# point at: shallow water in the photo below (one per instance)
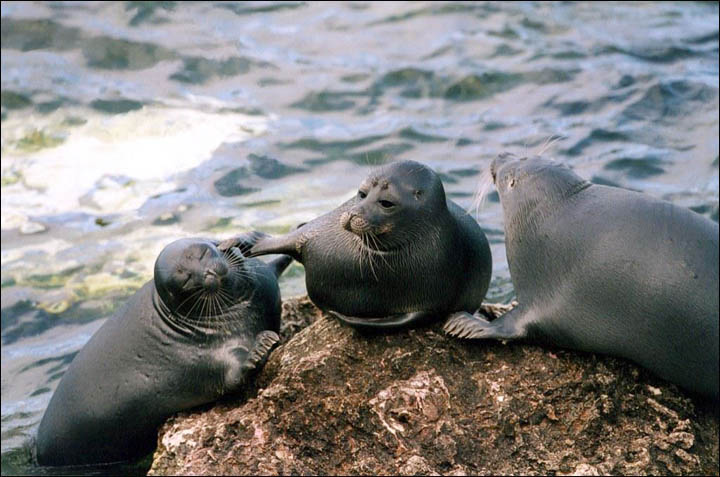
(127, 125)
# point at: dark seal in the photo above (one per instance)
(397, 254)
(606, 270)
(195, 332)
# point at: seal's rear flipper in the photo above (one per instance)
(465, 325)
(402, 320)
(287, 245)
(279, 265)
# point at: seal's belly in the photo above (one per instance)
(374, 287)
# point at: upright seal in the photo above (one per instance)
(397, 254)
(190, 335)
(606, 270)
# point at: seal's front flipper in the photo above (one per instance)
(243, 241)
(279, 265)
(402, 320)
(240, 362)
(289, 244)
(507, 327)
(265, 341)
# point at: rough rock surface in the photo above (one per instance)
(334, 401)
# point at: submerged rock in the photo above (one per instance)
(334, 401)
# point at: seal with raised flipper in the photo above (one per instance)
(606, 270)
(195, 332)
(397, 254)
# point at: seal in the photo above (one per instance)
(397, 254)
(606, 270)
(207, 320)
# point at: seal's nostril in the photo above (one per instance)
(345, 220)
(359, 225)
(212, 283)
(221, 269)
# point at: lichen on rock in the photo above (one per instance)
(331, 400)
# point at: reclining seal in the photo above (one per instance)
(193, 333)
(606, 270)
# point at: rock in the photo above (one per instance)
(334, 401)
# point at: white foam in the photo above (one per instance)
(148, 147)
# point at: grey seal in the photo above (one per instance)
(606, 270)
(396, 254)
(193, 333)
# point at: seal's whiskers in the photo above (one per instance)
(371, 261)
(192, 295)
(484, 186)
(376, 243)
(549, 142)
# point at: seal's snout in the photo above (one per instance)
(354, 223)
(211, 282)
(218, 271)
(214, 275)
(359, 224)
(345, 221)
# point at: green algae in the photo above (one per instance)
(37, 140)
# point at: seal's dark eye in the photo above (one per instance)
(362, 194)
(386, 204)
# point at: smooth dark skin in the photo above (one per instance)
(606, 270)
(397, 254)
(158, 355)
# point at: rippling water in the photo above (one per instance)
(127, 125)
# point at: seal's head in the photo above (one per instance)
(396, 197)
(526, 183)
(194, 278)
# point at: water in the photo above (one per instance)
(127, 125)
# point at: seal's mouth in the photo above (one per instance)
(215, 273)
